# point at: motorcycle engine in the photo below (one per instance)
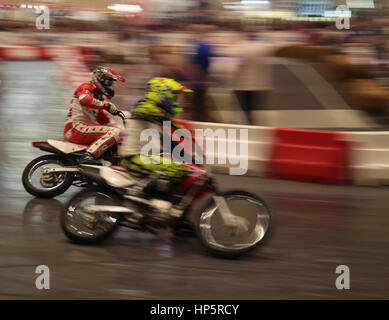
(159, 186)
(160, 215)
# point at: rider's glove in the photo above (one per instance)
(111, 108)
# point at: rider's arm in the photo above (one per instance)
(103, 117)
(148, 111)
(87, 100)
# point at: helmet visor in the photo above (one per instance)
(110, 83)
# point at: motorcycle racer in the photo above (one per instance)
(159, 104)
(87, 118)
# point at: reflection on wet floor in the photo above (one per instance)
(318, 227)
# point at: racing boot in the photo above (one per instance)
(88, 158)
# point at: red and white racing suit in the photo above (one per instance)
(87, 119)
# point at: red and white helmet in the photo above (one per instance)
(104, 78)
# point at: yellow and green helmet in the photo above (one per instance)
(164, 91)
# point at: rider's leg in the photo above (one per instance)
(107, 141)
(100, 138)
(143, 165)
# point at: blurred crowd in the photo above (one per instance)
(228, 61)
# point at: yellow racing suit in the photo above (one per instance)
(147, 114)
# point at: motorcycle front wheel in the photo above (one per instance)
(86, 228)
(252, 219)
(46, 186)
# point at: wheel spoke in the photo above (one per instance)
(46, 183)
(247, 227)
(87, 225)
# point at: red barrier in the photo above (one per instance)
(25, 53)
(309, 155)
(43, 52)
(3, 53)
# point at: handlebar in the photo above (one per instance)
(121, 115)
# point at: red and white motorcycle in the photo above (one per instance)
(51, 175)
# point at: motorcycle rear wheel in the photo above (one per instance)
(73, 217)
(219, 240)
(42, 191)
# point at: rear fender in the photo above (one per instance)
(44, 146)
(36, 144)
(59, 146)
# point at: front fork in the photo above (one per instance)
(177, 211)
(217, 197)
(234, 223)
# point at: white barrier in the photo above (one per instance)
(320, 118)
(368, 153)
(259, 141)
(369, 157)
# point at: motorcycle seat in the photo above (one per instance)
(83, 144)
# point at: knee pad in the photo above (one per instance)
(115, 133)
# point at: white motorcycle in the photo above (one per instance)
(51, 175)
(228, 225)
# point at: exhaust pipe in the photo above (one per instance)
(93, 209)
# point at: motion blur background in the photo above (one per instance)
(273, 63)
(258, 62)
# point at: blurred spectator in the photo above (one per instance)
(199, 73)
(252, 78)
(165, 62)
